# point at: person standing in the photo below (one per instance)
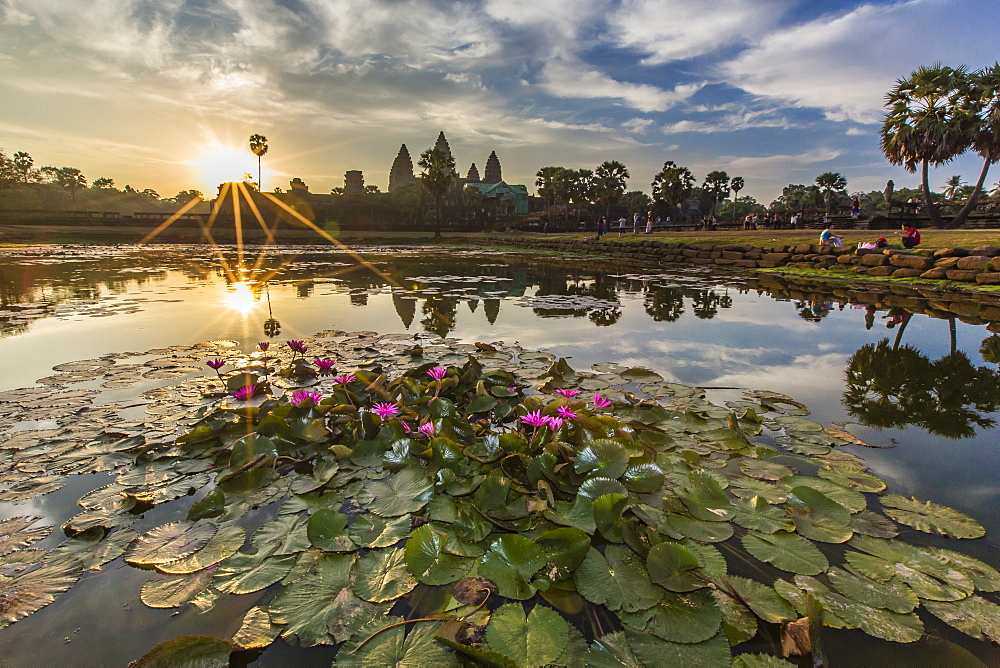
(649, 222)
(601, 227)
(635, 223)
(621, 226)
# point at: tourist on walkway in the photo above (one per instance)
(621, 226)
(601, 227)
(649, 222)
(910, 236)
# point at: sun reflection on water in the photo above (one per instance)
(240, 297)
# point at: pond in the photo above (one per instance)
(918, 392)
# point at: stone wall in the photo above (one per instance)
(969, 265)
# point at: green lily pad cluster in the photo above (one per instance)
(509, 511)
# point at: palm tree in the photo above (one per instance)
(736, 185)
(72, 179)
(258, 144)
(609, 182)
(438, 176)
(831, 183)
(672, 185)
(952, 186)
(716, 186)
(547, 181)
(582, 189)
(931, 118)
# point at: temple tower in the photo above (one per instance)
(402, 169)
(493, 173)
(354, 183)
(442, 144)
(473, 175)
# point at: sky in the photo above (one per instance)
(164, 94)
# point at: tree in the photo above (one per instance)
(22, 163)
(831, 183)
(952, 186)
(932, 118)
(636, 200)
(547, 180)
(258, 144)
(565, 188)
(103, 183)
(72, 179)
(736, 185)
(716, 186)
(672, 185)
(582, 189)
(437, 178)
(609, 182)
(185, 196)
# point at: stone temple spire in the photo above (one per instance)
(442, 143)
(473, 175)
(493, 173)
(402, 169)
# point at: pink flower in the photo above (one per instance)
(600, 402)
(569, 394)
(566, 413)
(554, 423)
(303, 395)
(534, 419)
(264, 345)
(344, 379)
(512, 389)
(216, 363)
(297, 346)
(325, 366)
(437, 373)
(245, 393)
(427, 429)
(385, 410)
(406, 427)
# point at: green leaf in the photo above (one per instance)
(763, 600)
(759, 661)
(537, 640)
(394, 646)
(738, 622)
(643, 478)
(931, 517)
(511, 562)
(668, 564)
(404, 492)
(174, 590)
(764, 469)
(709, 532)
(257, 630)
(427, 561)
(595, 487)
(685, 618)
(892, 595)
(479, 656)
(221, 546)
(612, 651)
(616, 579)
(786, 551)
(284, 535)
(481, 404)
(851, 499)
(757, 514)
(244, 573)
(608, 509)
(565, 549)
(325, 530)
(188, 652)
(169, 542)
(603, 457)
(370, 530)
(974, 616)
(249, 448)
(817, 517)
(308, 606)
(705, 499)
(381, 575)
(212, 505)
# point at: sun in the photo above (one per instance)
(240, 297)
(219, 163)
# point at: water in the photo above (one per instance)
(692, 326)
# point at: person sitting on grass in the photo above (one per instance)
(828, 238)
(910, 236)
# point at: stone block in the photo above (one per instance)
(848, 259)
(995, 264)
(874, 260)
(753, 264)
(881, 271)
(965, 275)
(768, 264)
(687, 252)
(989, 251)
(911, 262)
(861, 269)
(803, 248)
(988, 278)
(906, 272)
(732, 255)
(935, 273)
(990, 313)
(701, 260)
(947, 262)
(951, 252)
(977, 262)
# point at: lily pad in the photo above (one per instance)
(617, 579)
(169, 542)
(309, 606)
(381, 575)
(15, 533)
(817, 517)
(786, 551)
(974, 616)
(174, 590)
(188, 652)
(257, 630)
(892, 595)
(535, 640)
(763, 600)
(406, 491)
(370, 530)
(757, 514)
(221, 546)
(604, 458)
(511, 562)
(427, 561)
(326, 530)
(931, 517)
(389, 644)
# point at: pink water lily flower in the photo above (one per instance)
(303, 395)
(325, 366)
(297, 346)
(569, 394)
(437, 373)
(264, 345)
(566, 413)
(216, 363)
(344, 379)
(427, 429)
(385, 410)
(554, 422)
(534, 419)
(245, 393)
(406, 427)
(600, 402)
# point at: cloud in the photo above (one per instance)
(671, 30)
(731, 122)
(571, 79)
(638, 125)
(844, 64)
